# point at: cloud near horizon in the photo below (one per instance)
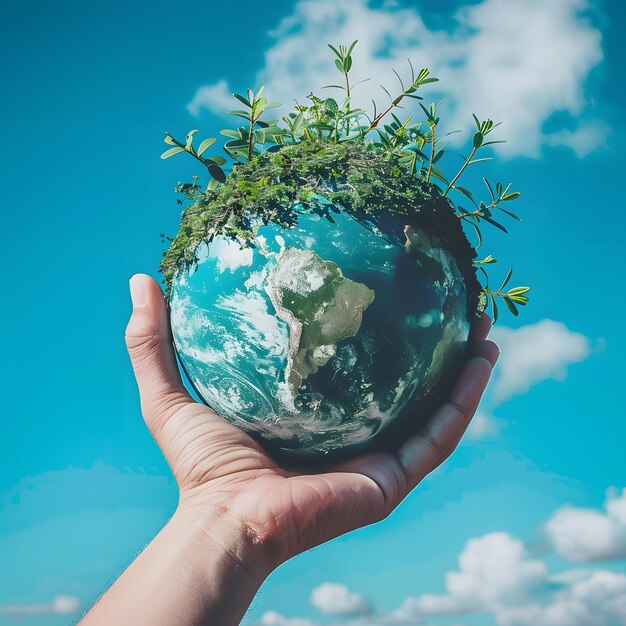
(496, 576)
(583, 535)
(337, 599)
(516, 61)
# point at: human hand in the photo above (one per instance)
(224, 474)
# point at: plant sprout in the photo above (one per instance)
(412, 146)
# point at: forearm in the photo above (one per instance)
(190, 574)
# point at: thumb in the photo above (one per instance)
(149, 343)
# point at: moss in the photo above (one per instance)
(316, 175)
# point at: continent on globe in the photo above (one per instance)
(319, 304)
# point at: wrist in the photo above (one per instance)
(218, 535)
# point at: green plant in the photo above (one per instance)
(409, 146)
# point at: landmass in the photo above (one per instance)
(319, 304)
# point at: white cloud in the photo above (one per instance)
(586, 138)
(484, 425)
(534, 353)
(582, 535)
(60, 605)
(517, 61)
(497, 577)
(336, 599)
(272, 618)
(229, 254)
(598, 600)
(382, 618)
(494, 570)
(216, 97)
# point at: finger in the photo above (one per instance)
(480, 330)
(490, 351)
(420, 454)
(149, 343)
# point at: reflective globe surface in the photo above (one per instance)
(326, 338)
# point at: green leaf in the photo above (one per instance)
(242, 99)
(331, 105)
(521, 300)
(334, 50)
(506, 279)
(494, 223)
(171, 152)
(477, 140)
(464, 191)
(480, 237)
(217, 172)
(489, 188)
(339, 65)
(236, 145)
(205, 144)
(439, 175)
(169, 139)
(494, 306)
(510, 305)
(351, 48)
(227, 132)
(517, 291)
(511, 196)
(240, 113)
(213, 184)
(189, 139)
(218, 160)
(515, 217)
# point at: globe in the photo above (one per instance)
(330, 335)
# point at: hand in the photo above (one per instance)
(222, 472)
(240, 515)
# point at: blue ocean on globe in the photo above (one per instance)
(325, 338)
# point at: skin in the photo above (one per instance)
(240, 515)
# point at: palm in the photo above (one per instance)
(217, 464)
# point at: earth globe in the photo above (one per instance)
(330, 320)
(323, 291)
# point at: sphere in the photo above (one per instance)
(326, 337)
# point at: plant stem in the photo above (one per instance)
(432, 153)
(476, 212)
(252, 120)
(494, 293)
(374, 124)
(193, 154)
(469, 158)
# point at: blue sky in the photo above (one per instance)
(534, 491)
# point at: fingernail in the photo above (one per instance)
(137, 291)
